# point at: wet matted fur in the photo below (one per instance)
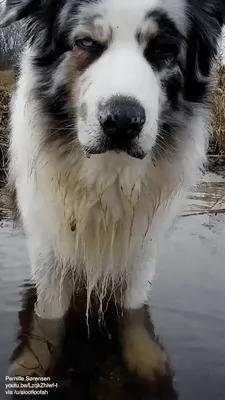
(95, 209)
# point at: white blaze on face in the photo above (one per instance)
(122, 70)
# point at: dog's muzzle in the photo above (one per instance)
(121, 121)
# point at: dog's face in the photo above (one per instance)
(121, 97)
(125, 48)
(120, 75)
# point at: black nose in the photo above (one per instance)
(122, 118)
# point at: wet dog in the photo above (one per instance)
(109, 130)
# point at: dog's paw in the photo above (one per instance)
(147, 361)
(144, 357)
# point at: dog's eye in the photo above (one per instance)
(161, 51)
(164, 50)
(87, 43)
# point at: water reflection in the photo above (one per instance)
(92, 368)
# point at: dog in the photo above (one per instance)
(110, 121)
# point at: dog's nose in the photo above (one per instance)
(122, 118)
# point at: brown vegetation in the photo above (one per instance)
(217, 145)
(4, 118)
(5, 78)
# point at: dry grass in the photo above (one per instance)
(217, 145)
(5, 78)
(4, 118)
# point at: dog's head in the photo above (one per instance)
(119, 75)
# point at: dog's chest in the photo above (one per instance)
(107, 215)
(108, 225)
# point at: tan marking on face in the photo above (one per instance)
(79, 63)
(149, 30)
(101, 31)
(147, 34)
(81, 59)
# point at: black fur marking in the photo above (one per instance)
(165, 46)
(164, 22)
(173, 85)
(106, 145)
(43, 32)
(205, 24)
(16, 10)
(61, 117)
(193, 84)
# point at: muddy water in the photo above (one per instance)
(187, 306)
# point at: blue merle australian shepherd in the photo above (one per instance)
(109, 129)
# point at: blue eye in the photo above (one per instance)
(86, 43)
(90, 46)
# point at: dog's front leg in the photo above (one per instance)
(44, 335)
(142, 354)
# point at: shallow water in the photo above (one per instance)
(188, 298)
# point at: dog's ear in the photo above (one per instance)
(14, 10)
(206, 19)
(220, 11)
